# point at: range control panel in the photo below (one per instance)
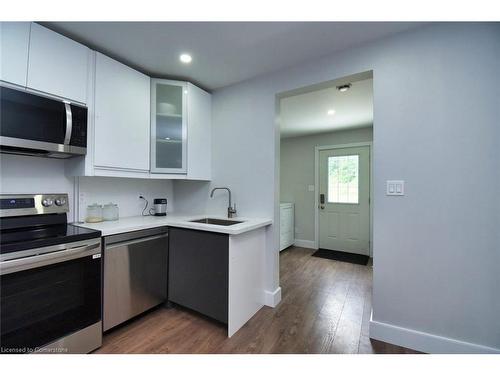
(12, 203)
(33, 204)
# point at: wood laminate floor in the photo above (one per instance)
(325, 308)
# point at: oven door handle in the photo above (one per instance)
(21, 264)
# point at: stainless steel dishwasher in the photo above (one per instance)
(135, 274)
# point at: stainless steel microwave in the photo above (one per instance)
(37, 125)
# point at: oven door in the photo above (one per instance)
(40, 126)
(50, 296)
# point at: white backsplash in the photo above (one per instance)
(33, 175)
(124, 192)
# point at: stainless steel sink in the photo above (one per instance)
(209, 220)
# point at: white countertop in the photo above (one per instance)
(129, 224)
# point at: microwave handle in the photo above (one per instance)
(69, 123)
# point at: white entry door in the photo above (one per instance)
(344, 201)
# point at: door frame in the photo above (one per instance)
(317, 149)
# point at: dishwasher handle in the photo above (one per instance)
(135, 241)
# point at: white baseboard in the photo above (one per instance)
(424, 342)
(272, 299)
(305, 243)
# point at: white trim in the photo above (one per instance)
(317, 149)
(305, 243)
(425, 342)
(272, 299)
(344, 145)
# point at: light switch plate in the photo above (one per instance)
(310, 187)
(395, 187)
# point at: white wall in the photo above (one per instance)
(436, 111)
(192, 197)
(297, 172)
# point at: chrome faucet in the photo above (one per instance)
(231, 211)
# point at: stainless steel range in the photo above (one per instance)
(50, 278)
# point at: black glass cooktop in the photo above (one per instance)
(34, 237)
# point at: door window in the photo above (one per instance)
(343, 179)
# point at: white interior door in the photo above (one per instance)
(344, 209)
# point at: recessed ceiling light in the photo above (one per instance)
(344, 88)
(331, 112)
(185, 58)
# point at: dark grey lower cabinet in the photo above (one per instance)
(198, 271)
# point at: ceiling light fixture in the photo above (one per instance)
(331, 112)
(344, 88)
(185, 58)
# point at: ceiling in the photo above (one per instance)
(308, 113)
(223, 52)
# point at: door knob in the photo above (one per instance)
(322, 201)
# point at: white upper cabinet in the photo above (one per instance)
(168, 126)
(122, 109)
(199, 141)
(57, 65)
(181, 126)
(14, 39)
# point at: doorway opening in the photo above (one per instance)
(326, 145)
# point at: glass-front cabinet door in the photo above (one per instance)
(168, 126)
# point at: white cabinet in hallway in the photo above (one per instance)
(14, 44)
(287, 224)
(57, 65)
(121, 128)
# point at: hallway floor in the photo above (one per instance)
(325, 308)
